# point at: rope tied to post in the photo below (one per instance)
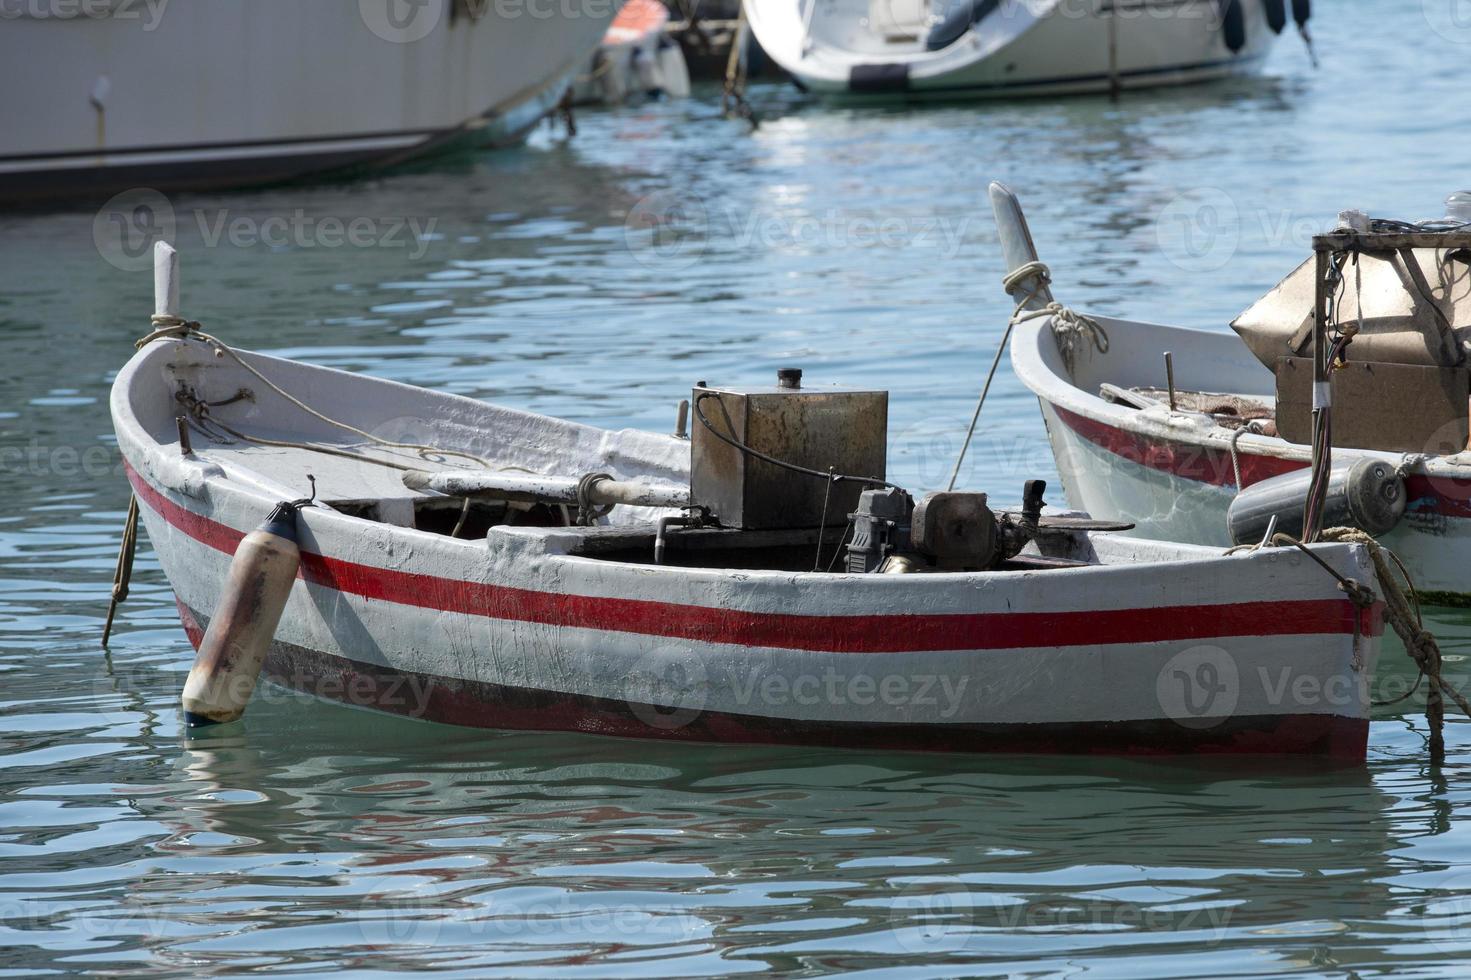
(1072, 330)
(169, 327)
(733, 101)
(589, 513)
(166, 325)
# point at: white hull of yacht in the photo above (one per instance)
(1051, 47)
(215, 94)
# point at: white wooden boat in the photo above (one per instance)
(1125, 454)
(635, 60)
(214, 93)
(999, 48)
(493, 609)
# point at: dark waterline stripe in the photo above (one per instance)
(477, 704)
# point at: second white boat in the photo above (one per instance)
(1000, 48)
(1171, 449)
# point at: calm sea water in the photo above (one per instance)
(856, 243)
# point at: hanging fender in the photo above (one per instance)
(1276, 15)
(244, 622)
(959, 17)
(1233, 24)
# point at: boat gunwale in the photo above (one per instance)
(556, 546)
(1042, 378)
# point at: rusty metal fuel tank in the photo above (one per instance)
(813, 427)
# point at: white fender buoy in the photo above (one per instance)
(646, 72)
(611, 80)
(673, 70)
(240, 631)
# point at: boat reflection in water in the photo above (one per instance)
(479, 845)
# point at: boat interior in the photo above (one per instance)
(264, 423)
(377, 493)
(1402, 385)
(284, 428)
(891, 28)
(1213, 373)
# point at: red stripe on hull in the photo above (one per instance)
(1185, 460)
(479, 705)
(1445, 496)
(838, 634)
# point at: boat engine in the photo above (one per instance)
(950, 532)
(1365, 493)
(795, 463)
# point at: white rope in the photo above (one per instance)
(181, 329)
(1236, 456)
(1409, 462)
(1067, 326)
(1250, 427)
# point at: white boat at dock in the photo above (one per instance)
(477, 565)
(919, 49)
(635, 60)
(1171, 451)
(213, 93)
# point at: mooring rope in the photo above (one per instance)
(733, 99)
(1073, 330)
(1068, 326)
(123, 574)
(1249, 427)
(1403, 616)
(177, 328)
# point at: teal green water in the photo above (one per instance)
(858, 244)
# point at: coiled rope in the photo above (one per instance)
(1073, 331)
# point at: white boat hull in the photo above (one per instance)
(1033, 48)
(1160, 649)
(1173, 475)
(215, 93)
(635, 60)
